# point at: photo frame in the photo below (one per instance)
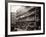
(24, 18)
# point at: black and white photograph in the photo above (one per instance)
(25, 18)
